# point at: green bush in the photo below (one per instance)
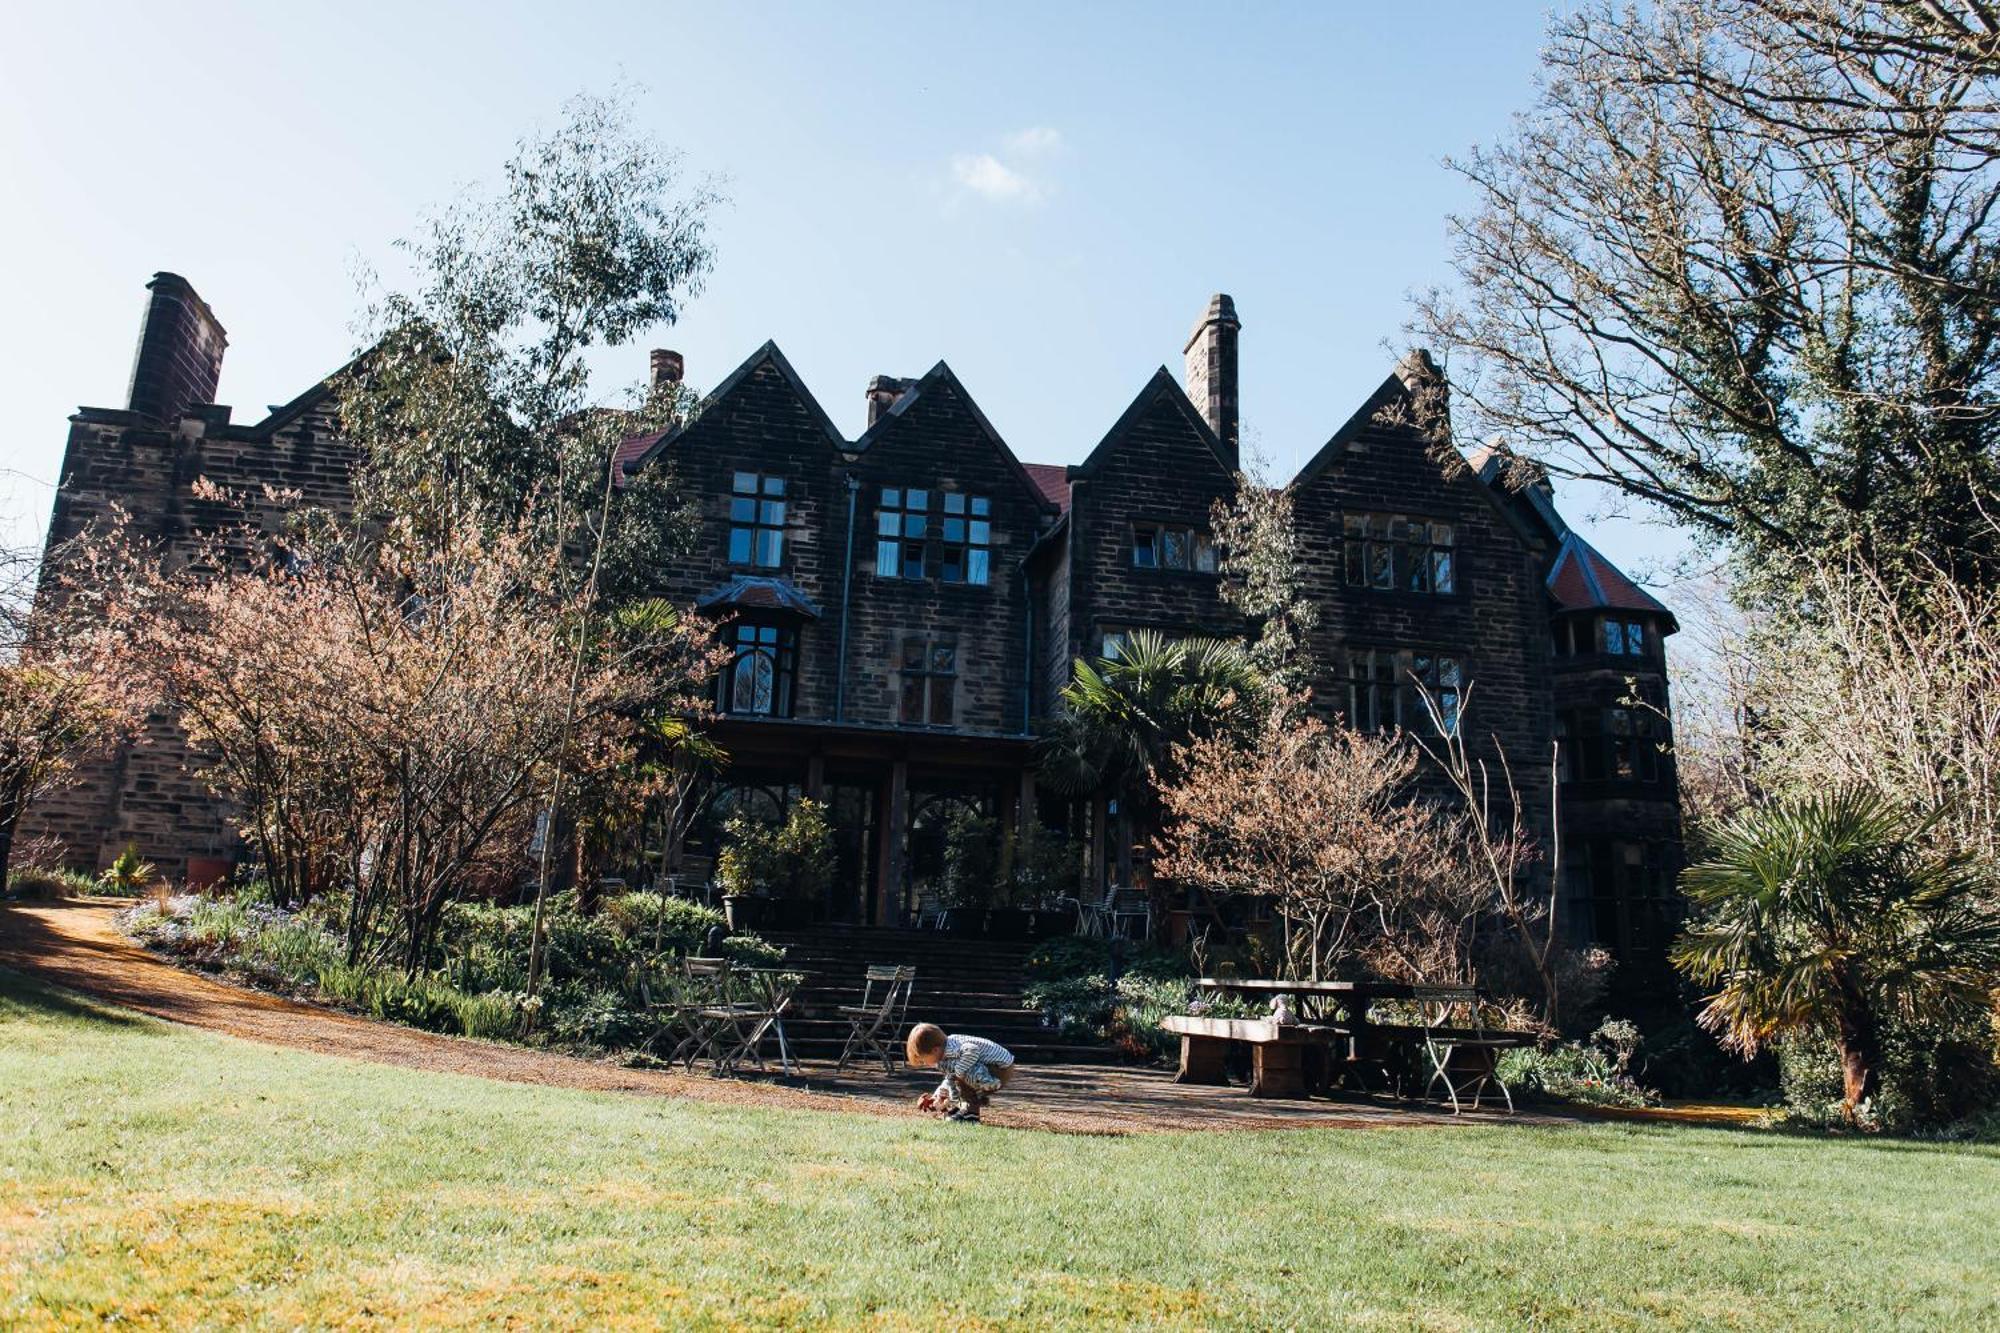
(479, 972)
(1069, 983)
(1934, 1076)
(36, 884)
(128, 876)
(673, 925)
(1593, 1072)
(794, 860)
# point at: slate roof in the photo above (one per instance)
(756, 592)
(1052, 480)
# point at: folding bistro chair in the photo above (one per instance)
(1123, 906)
(1464, 1054)
(1093, 918)
(875, 1022)
(741, 1025)
(701, 1018)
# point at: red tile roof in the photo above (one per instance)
(1583, 580)
(1052, 480)
(630, 449)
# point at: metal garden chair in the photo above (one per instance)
(876, 1021)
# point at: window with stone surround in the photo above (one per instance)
(1618, 744)
(757, 520)
(758, 682)
(946, 535)
(929, 681)
(1172, 546)
(1382, 688)
(1400, 553)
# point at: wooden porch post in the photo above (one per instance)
(895, 840)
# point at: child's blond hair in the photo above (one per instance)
(925, 1044)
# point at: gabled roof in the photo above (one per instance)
(1581, 579)
(1398, 386)
(940, 376)
(1161, 383)
(1052, 480)
(643, 453)
(757, 592)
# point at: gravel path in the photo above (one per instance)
(77, 944)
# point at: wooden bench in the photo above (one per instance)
(1278, 1051)
(1449, 1043)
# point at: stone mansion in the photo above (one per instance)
(904, 606)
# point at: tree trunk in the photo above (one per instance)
(6, 851)
(1859, 1044)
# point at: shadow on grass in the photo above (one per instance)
(24, 997)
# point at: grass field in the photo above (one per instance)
(161, 1175)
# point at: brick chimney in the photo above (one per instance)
(1211, 371)
(882, 391)
(668, 367)
(179, 361)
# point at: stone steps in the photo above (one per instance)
(962, 985)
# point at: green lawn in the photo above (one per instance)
(171, 1176)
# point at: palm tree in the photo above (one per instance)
(1123, 717)
(1833, 913)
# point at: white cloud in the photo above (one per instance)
(1008, 175)
(990, 178)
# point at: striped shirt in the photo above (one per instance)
(964, 1054)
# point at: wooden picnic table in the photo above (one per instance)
(1332, 1035)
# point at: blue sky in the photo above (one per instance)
(1044, 196)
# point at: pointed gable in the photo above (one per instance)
(938, 411)
(1159, 419)
(765, 382)
(1388, 419)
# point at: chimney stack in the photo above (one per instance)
(1211, 372)
(882, 391)
(668, 367)
(179, 361)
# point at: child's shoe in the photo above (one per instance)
(966, 1115)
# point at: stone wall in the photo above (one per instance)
(148, 794)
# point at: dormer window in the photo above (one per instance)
(757, 520)
(1398, 553)
(946, 535)
(1172, 546)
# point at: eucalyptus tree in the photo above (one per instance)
(474, 406)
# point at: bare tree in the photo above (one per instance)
(1322, 819)
(1496, 820)
(62, 696)
(1742, 261)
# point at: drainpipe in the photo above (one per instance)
(846, 585)
(1028, 661)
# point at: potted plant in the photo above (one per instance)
(776, 876)
(1048, 868)
(971, 872)
(746, 870)
(805, 866)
